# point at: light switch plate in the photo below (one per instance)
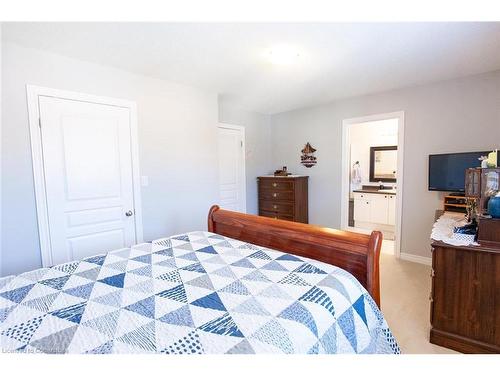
(144, 181)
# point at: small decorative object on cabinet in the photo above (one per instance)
(284, 198)
(467, 233)
(484, 161)
(494, 206)
(471, 209)
(307, 158)
(493, 159)
(282, 172)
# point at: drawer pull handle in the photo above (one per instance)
(275, 195)
(275, 207)
(275, 184)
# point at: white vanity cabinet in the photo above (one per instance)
(375, 208)
(361, 207)
(391, 218)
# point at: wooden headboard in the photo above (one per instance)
(354, 252)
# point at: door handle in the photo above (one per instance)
(129, 213)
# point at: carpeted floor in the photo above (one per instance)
(405, 288)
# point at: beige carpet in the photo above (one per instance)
(405, 288)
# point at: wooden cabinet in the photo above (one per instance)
(284, 198)
(488, 233)
(465, 298)
(374, 208)
(480, 183)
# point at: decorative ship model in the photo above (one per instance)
(307, 158)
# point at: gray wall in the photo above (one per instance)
(177, 147)
(1, 134)
(257, 146)
(177, 144)
(457, 115)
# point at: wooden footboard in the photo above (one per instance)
(356, 253)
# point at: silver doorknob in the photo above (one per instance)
(129, 213)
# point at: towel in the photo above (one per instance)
(356, 177)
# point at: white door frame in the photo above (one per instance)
(344, 207)
(243, 154)
(33, 92)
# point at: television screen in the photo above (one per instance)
(447, 171)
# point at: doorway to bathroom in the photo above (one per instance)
(372, 176)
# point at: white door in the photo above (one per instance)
(87, 163)
(231, 149)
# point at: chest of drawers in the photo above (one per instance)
(465, 298)
(284, 198)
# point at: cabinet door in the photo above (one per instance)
(361, 209)
(379, 208)
(391, 214)
(472, 182)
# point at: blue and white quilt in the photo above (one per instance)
(193, 293)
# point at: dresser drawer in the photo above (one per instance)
(275, 195)
(276, 215)
(276, 206)
(275, 184)
(283, 198)
(362, 196)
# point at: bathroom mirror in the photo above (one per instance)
(383, 163)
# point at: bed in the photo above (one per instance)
(247, 285)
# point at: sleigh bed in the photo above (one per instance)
(248, 285)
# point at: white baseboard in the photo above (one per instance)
(417, 259)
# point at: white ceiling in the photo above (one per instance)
(337, 60)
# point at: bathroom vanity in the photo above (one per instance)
(375, 210)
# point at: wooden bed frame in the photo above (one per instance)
(354, 252)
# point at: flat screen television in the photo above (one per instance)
(447, 171)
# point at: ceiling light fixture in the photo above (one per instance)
(283, 55)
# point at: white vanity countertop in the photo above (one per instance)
(368, 191)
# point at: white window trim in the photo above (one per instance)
(33, 93)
